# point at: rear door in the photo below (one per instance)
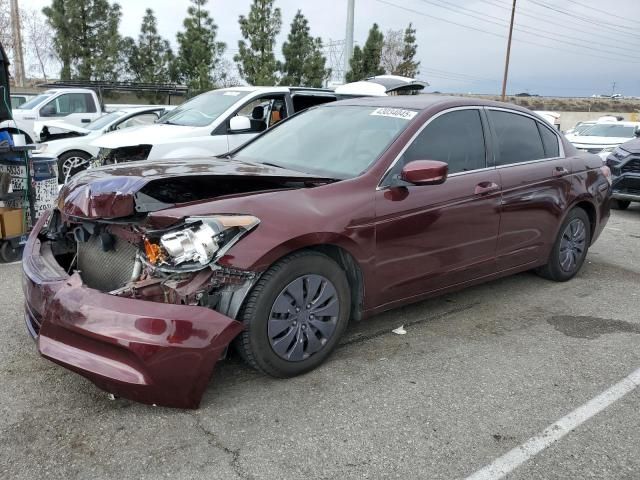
(432, 236)
(536, 181)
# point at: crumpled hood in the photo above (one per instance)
(56, 126)
(154, 134)
(141, 187)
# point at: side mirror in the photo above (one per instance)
(638, 133)
(239, 124)
(48, 111)
(425, 172)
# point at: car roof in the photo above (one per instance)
(271, 89)
(424, 101)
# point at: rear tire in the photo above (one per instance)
(620, 204)
(570, 248)
(295, 315)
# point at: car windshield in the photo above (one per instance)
(104, 120)
(332, 141)
(34, 102)
(610, 130)
(582, 128)
(203, 109)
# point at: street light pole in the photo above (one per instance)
(506, 62)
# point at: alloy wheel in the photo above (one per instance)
(303, 317)
(73, 165)
(573, 245)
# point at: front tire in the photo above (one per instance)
(570, 248)
(295, 315)
(620, 204)
(70, 163)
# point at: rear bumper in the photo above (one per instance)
(153, 353)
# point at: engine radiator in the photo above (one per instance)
(105, 271)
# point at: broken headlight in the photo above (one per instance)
(198, 242)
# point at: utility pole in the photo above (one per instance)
(348, 46)
(613, 88)
(17, 44)
(506, 63)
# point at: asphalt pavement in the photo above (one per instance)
(478, 373)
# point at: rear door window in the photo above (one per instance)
(455, 138)
(518, 139)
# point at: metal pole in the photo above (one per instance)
(17, 44)
(506, 63)
(348, 44)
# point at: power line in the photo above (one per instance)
(523, 28)
(496, 34)
(586, 19)
(602, 11)
(565, 25)
(526, 30)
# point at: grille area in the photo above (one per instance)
(628, 185)
(105, 271)
(632, 166)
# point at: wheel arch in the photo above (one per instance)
(344, 251)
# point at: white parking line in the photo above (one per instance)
(516, 457)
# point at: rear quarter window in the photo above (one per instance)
(549, 142)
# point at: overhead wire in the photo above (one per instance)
(553, 47)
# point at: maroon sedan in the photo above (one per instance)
(147, 272)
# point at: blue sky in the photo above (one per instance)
(561, 47)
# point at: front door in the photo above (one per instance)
(434, 236)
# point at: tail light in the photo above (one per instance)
(606, 171)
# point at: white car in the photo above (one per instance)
(210, 124)
(73, 146)
(603, 138)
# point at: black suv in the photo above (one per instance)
(624, 163)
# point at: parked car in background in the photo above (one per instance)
(78, 106)
(581, 127)
(553, 118)
(212, 123)
(146, 272)
(18, 99)
(603, 138)
(624, 163)
(73, 145)
(382, 86)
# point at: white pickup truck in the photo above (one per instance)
(77, 106)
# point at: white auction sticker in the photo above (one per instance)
(394, 113)
(232, 94)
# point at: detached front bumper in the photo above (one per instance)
(152, 353)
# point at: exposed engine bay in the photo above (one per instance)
(175, 266)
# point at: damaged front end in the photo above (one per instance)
(172, 266)
(141, 307)
(107, 301)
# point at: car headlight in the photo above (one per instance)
(41, 148)
(608, 150)
(620, 153)
(197, 242)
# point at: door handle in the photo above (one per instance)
(86, 120)
(486, 187)
(560, 171)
